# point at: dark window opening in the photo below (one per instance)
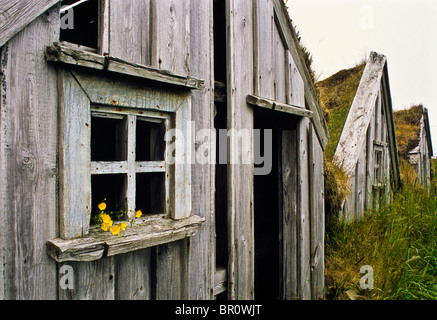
(110, 189)
(108, 139)
(150, 145)
(80, 24)
(150, 192)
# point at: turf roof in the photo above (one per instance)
(336, 96)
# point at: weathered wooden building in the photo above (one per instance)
(414, 141)
(366, 148)
(86, 113)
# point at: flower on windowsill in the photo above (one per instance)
(102, 206)
(115, 230)
(123, 226)
(104, 219)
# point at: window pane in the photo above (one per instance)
(108, 139)
(150, 144)
(110, 187)
(150, 193)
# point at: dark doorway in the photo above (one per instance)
(268, 193)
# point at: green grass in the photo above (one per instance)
(336, 95)
(399, 241)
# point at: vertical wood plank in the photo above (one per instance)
(303, 223)
(202, 248)
(172, 264)
(280, 60)
(239, 23)
(74, 157)
(131, 175)
(104, 18)
(289, 214)
(133, 276)
(129, 30)
(28, 161)
(264, 62)
(92, 280)
(317, 221)
(170, 43)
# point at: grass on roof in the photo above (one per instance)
(407, 125)
(336, 95)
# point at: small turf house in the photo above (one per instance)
(414, 141)
(163, 107)
(363, 134)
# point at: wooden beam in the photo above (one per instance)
(15, 15)
(145, 233)
(277, 106)
(71, 55)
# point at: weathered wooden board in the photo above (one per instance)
(130, 25)
(317, 221)
(304, 209)
(239, 26)
(354, 132)
(28, 148)
(264, 50)
(92, 280)
(170, 30)
(72, 55)
(74, 157)
(277, 106)
(146, 233)
(133, 276)
(172, 271)
(202, 245)
(126, 93)
(289, 215)
(15, 15)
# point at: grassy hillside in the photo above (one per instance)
(399, 241)
(336, 95)
(407, 124)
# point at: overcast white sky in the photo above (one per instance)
(340, 33)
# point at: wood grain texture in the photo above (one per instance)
(149, 232)
(240, 176)
(15, 15)
(64, 53)
(202, 245)
(28, 152)
(304, 209)
(289, 215)
(74, 157)
(129, 25)
(278, 106)
(353, 136)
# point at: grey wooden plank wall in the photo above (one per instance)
(240, 66)
(28, 162)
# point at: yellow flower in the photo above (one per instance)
(123, 226)
(138, 214)
(102, 206)
(106, 218)
(115, 230)
(105, 226)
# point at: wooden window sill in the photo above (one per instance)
(145, 233)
